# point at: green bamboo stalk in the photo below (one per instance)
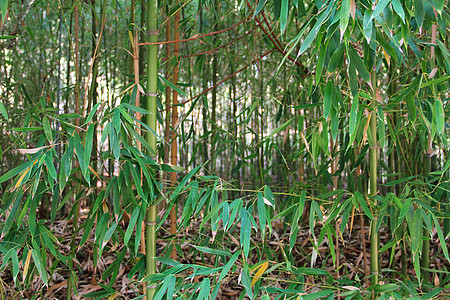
(152, 81)
(374, 267)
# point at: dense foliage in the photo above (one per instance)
(279, 149)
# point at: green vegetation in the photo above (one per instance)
(271, 149)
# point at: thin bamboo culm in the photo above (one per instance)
(152, 80)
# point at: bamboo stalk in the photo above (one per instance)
(152, 81)
(374, 267)
(174, 146)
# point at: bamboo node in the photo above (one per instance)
(155, 32)
(150, 223)
(151, 94)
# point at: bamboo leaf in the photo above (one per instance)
(259, 7)
(359, 64)
(228, 266)
(317, 295)
(381, 5)
(172, 86)
(398, 8)
(261, 270)
(245, 232)
(180, 187)
(91, 114)
(204, 288)
(279, 128)
(336, 58)
(212, 251)
(441, 237)
(3, 111)
(39, 265)
(88, 149)
(368, 25)
(245, 279)
(440, 116)
(411, 106)
(262, 214)
(363, 204)
(284, 14)
(47, 130)
(419, 12)
(131, 224)
(344, 16)
(4, 9)
(328, 99)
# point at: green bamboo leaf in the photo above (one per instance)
(439, 5)
(205, 288)
(320, 61)
(398, 8)
(353, 120)
(419, 12)
(284, 13)
(312, 271)
(336, 58)
(259, 7)
(245, 232)
(435, 81)
(3, 111)
(25, 129)
(279, 128)
(328, 98)
(411, 106)
(15, 171)
(70, 116)
(180, 187)
(48, 158)
(88, 146)
(168, 281)
(131, 224)
(386, 288)
(12, 214)
(246, 282)
(415, 230)
(344, 16)
(211, 214)
(15, 263)
(47, 130)
(135, 108)
(441, 237)
(359, 64)
(381, 5)
(4, 9)
(368, 25)
(317, 295)
(440, 116)
(114, 143)
(172, 86)
(363, 204)
(213, 251)
(228, 265)
(39, 265)
(315, 30)
(262, 214)
(91, 114)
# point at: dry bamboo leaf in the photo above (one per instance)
(27, 265)
(352, 9)
(260, 271)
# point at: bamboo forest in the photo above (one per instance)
(235, 149)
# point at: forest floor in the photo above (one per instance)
(352, 264)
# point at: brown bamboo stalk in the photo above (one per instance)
(174, 146)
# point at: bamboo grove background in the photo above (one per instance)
(224, 149)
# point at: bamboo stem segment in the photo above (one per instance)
(152, 81)
(374, 266)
